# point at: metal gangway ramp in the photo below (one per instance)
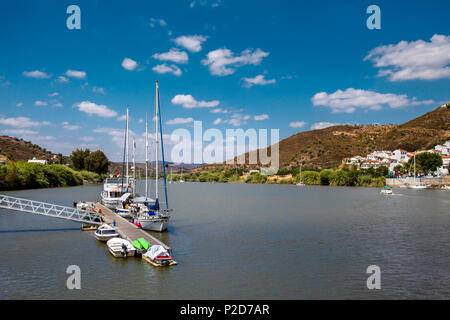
(50, 210)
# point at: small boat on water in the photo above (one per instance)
(105, 232)
(386, 190)
(446, 188)
(415, 185)
(120, 248)
(158, 256)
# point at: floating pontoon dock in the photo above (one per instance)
(127, 230)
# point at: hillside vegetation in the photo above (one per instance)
(326, 148)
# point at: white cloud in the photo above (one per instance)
(57, 104)
(164, 68)
(349, 100)
(154, 22)
(99, 110)
(21, 122)
(258, 80)
(297, 124)
(413, 60)
(67, 126)
(323, 125)
(129, 64)
(174, 55)
(180, 121)
(219, 110)
(36, 74)
(99, 90)
(40, 103)
(209, 3)
(75, 74)
(62, 79)
(220, 61)
(188, 102)
(54, 94)
(218, 121)
(87, 139)
(20, 104)
(18, 132)
(237, 119)
(191, 43)
(122, 118)
(261, 117)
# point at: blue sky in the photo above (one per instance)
(289, 65)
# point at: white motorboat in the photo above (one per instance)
(105, 232)
(417, 186)
(120, 248)
(82, 205)
(114, 189)
(446, 187)
(386, 190)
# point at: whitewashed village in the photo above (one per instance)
(400, 157)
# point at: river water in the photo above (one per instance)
(237, 241)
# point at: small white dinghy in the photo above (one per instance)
(120, 248)
(105, 232)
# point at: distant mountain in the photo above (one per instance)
(16, 149)
(326, 148)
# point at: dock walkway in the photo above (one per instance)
(127, 230)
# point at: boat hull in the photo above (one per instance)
(121, 254)
(156, 264)
(158, 225)
(417, 187)
(105, 237)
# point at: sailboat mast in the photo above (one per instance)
(146, 157)
(156, 138)
(126, 151)
(414, 168)
(134, 159)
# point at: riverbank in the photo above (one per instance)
(24, 175)
(343, 177)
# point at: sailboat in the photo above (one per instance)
(415, 185)
(301, 183)
(156, 219)
(114, 189)
(181, 178)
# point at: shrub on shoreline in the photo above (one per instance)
(24, 175)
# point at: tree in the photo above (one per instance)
(382, 171)
(78, 158)
(96, 162)
(426, 161)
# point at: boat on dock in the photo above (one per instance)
(105, 232)
(157, 256)
(120, 248)
(151, 217)
(114, 189)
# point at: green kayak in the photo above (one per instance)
(137, 244)
(144, 243)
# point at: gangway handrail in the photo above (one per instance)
(51, 210)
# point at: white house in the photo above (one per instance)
(34, 160)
